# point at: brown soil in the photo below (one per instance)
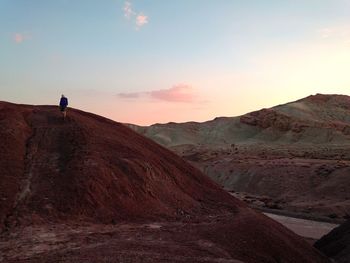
(91, 190)
(242, 238)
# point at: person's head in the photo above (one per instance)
(62, 96)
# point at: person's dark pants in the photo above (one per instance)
(63, 110)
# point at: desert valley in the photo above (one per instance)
(293, 157)
(89, 189)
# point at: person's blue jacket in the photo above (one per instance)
(64, 102)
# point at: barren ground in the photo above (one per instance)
(91, 190)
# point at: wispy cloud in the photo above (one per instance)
(325, 32)
(20, 37)
(138, 17)
(340, 32)
(131, 95)
(178, 93)
(128, 12)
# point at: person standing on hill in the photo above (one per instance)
(63, 106)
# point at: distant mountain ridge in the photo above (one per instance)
(294, 156)
(314, 119)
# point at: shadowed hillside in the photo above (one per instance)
(90, 189)
(92, 168)
(336, 244)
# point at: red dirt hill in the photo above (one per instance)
(89, 167)
(60, 180)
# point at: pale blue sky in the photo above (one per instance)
(189, 60)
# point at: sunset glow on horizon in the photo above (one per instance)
(157, 61)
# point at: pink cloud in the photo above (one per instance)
(178, 93)
(138, 17)
(141, 20)
(21, 37)
(128, 12)
(18, 38)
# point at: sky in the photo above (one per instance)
(156, 61)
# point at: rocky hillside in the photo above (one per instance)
(294, 156)
(316, 119)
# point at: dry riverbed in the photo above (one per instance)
(311, 230)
